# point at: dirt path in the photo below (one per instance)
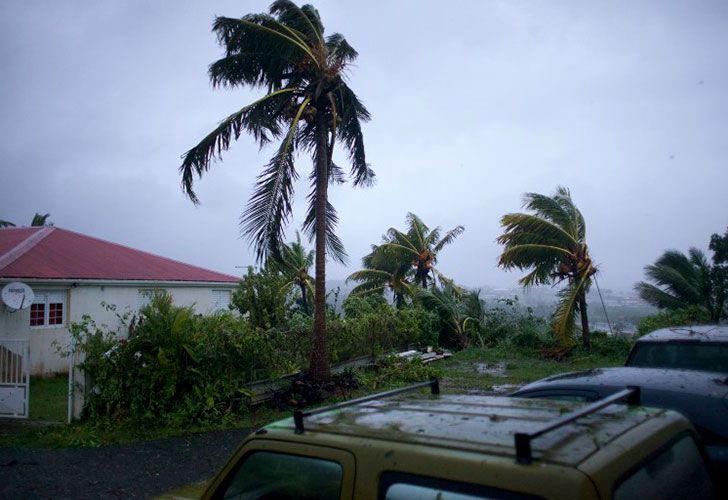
(136, 470)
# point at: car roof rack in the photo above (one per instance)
(523, 439)
(298, 415)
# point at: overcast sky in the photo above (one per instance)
(473, 104)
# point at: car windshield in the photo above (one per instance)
(689, 356)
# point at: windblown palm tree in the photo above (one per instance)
(308, 106)
(680, 280)
(551, 242)
(294, 263)
(380, 273)
(404, 261)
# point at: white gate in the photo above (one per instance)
(14, 378)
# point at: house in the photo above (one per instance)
(72, 275)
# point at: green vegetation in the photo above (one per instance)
(49, 398)
(684, 284)
(552, 243)
(404, 259)
(308, 107)
(38, 220)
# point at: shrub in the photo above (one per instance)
(691, 315)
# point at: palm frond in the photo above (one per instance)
(334, 245)
(352, 112)
(270, 206)
(258, 118)
(339, 49)
(448, 238)
(525, 256)
(657, 297)
(516, 224)
(289, 14)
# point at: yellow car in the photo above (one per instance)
(417, 446)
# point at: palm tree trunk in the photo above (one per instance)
(319, 363)
(585, 333)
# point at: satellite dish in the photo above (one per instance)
(17, 295)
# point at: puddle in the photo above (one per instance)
(495, 370)
(505, 388)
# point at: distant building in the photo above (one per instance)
(72, 274)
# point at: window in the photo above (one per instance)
(221, 300)
(686, 355)
(676, 473)
(401, 486)
(266, 474)
(48, 309)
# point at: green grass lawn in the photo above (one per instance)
(464, 372)
(469, 370)
(49, 398)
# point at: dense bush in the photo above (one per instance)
(508, 322)
(691, 315)
(178, 367)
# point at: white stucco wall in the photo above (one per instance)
(87, 298)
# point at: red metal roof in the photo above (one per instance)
(54, 253)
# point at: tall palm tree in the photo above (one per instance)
(551, 242)
(294, 263)
(308, 106)
(680, 280)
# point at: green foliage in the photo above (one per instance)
(264, 297)
(609, 346)
(177, 367)
(690, 315)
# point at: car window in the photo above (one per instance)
(688, 356)
(400, 486)
(679, 472)
(268, 475)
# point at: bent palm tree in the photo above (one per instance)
(551, 242)
(680, 280)
(308, 106)
(382, 273)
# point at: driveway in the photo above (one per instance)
(135, 470)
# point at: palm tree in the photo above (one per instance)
(679, 281)
(382, 273)
(407, 256)
(308, 106)
(38, 220)
(551, 242)
(294, 262)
